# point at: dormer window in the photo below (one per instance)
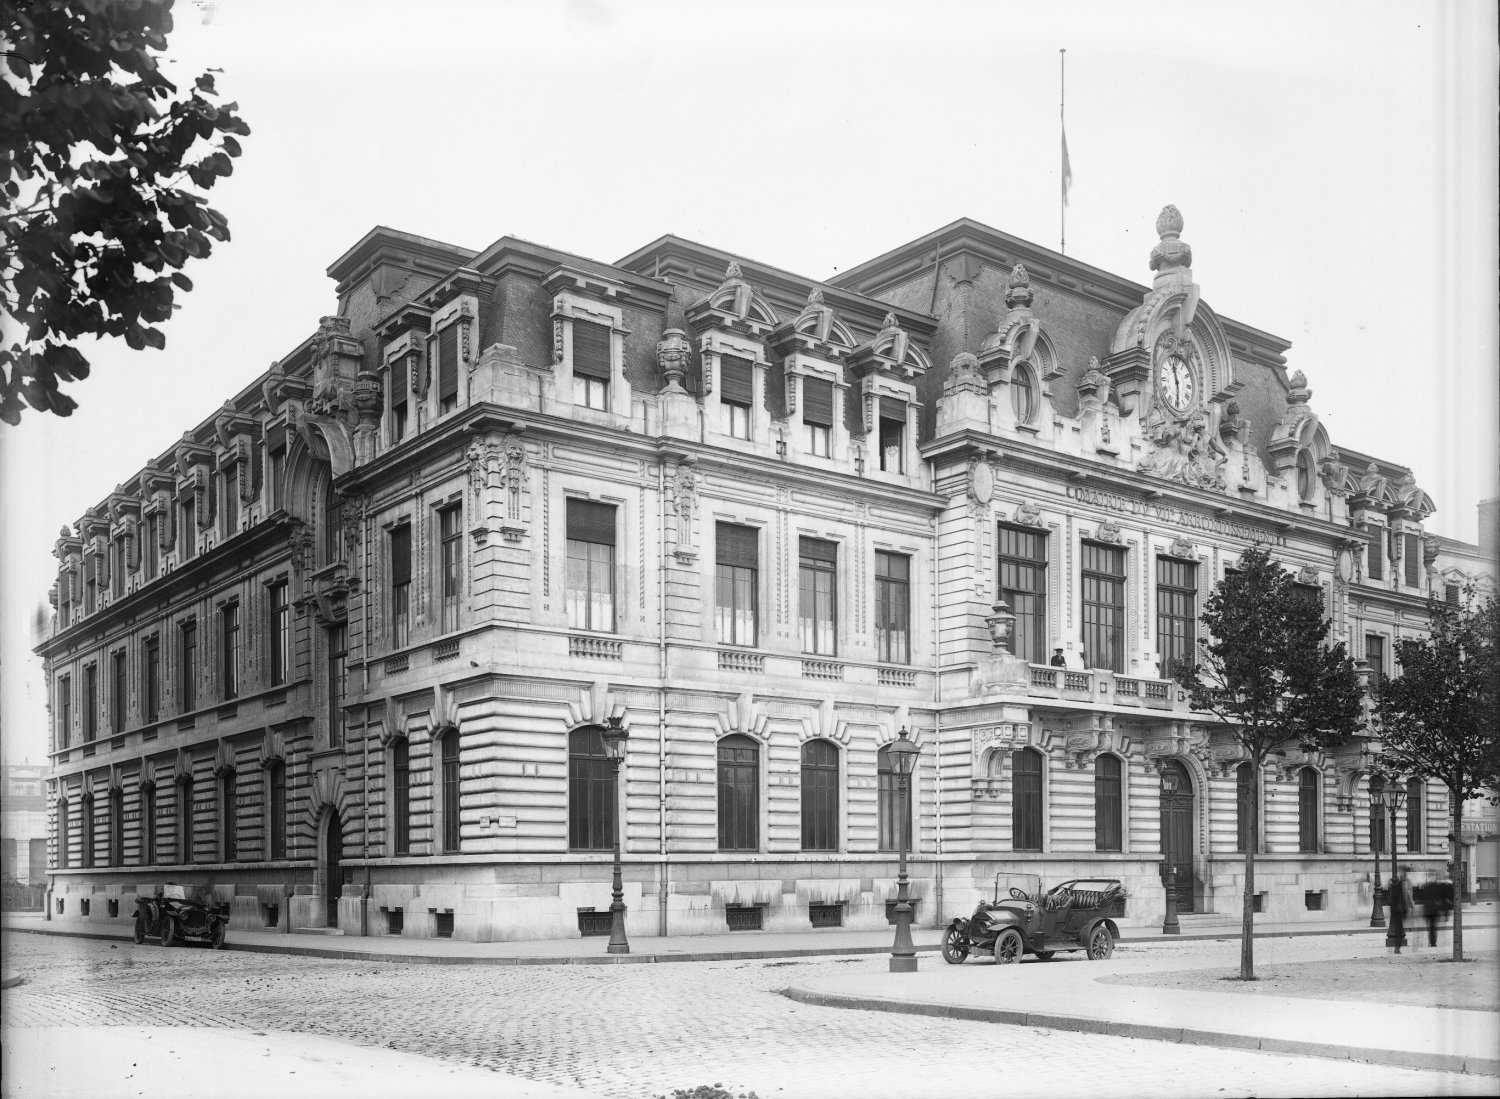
(447, 368)
(1023, 394)
(230, 515)
(591, 364)
(736, 395)
(817, 415)
(892, 431)
(1307, 477)
(400, 396)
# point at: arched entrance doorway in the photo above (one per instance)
(1177, 829)
(333, 854)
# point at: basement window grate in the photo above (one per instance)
(395, 921)
(273, 914)
(442, 924)
(826, 915)
(112, 906)
(744, 917)
(83, 907)
(1313, 898)
(593, 923)
(1258, 902)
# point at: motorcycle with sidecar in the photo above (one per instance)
(1070, 916)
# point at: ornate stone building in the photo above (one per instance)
(342, 653)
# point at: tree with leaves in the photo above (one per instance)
(103, 169)
(1438, 718)
(1266, 670)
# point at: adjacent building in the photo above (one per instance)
(342, 653)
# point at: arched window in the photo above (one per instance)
(276, 780)
(1416, 791)
(62, 833)
(739, 794)
(1307, 810)
(889, 809)
(592, 806)
(117, 827)
(1026, 800)
(448, 753)
(1377, 814)
(820, 796)
(1107, 803)
(185, 819)
(148, 824)
(229, 848)
(1244, 805)
(400, 796)
(87, 806)
(333, 525)
(1023, 394)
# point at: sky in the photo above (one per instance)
(1335, 164)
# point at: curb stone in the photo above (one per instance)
(1396, 1058)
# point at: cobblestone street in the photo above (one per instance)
(645, 1030)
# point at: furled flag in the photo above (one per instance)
(1067, 168)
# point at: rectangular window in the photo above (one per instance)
(400, 558)
(591, 364)
(817, 607)
(892, 436)
(277, 779)
(1375, 657)
(64, 710)
(1103, 606)
(817, 415)
(1107, 803)
(1023, 586)
(1451, 594)
(452, 821)
(188, 668)
(591, 566)
(739, 794)
(117, 569)
(151, 679)
(400, 383)
(278, 465)
(280, 634)
(229, 849)
(737, 573)
(152, 549)
(736, 395)
(1411, 559)
(229, 515)
(187, 530)
(1375, 557)
(90, 584)
(229, 636)
(1176, 613)
(892, 608)
(185, 820)
(90, 702)
(450, 565)
(148, 825)
(447, 345)
(400, 797)
(1416, 793)
(337, 656)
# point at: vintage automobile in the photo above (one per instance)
(172, 918)
(1069, 916)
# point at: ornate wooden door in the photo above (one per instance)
(1177, 806)
(334, 851)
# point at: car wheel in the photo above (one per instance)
(168, 931)
(1009, 946)
(1046, 955)
(140, 931)
(1101, 944)
(955, 946)
(218, 940)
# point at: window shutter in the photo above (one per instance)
(448, 362)
(591, 522)
(1375, 559)
(816, 549)
(590, 350)
(817, 402)
(400, 381)
(891, 409)
(735, 379)
(736, 545)
(1411, 557)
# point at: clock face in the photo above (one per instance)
(1175, 383)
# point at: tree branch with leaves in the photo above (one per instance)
(1267, 672)
(104, 166)
(1438, 718)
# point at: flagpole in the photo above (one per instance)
(1062, 99)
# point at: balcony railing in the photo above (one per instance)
(822, 669)
(597, 648)
(731, 660)
(1126, 690)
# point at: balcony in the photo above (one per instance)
(1151, 694)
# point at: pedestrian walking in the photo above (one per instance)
(1426, 896)
(1401, 904)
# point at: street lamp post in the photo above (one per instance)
(1395, 794)
(903, 953)
(1377, 805)
(615, 736)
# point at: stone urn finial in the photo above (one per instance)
(1170, 252)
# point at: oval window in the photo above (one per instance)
(1023, 394)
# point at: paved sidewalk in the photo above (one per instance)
(679, 948)
(1072, 996)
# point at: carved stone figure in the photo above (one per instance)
(685, 495)
(514, 475)
(1181, 450)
